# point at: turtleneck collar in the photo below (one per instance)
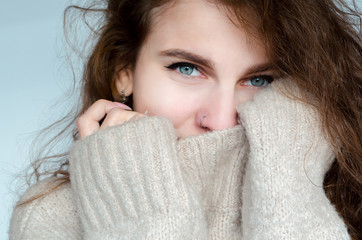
(207, 151)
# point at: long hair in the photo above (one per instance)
(315, 42)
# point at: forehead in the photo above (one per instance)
(246, 17)
(186, 9)
(199, 26)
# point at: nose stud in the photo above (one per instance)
(202, 119)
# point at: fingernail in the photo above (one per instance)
(123, 106)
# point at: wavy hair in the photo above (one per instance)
(315, 42)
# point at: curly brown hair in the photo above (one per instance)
(316, 42)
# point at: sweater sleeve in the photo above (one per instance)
(52, 215)
(128, 185)
(283, 196)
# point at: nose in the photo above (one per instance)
(219, 111)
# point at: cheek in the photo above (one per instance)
(158, 95)
(247, 94)
(162, 98)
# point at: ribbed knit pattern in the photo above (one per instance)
(262, 180)
(283, 197)
(132, 197)
(131, 184)
(214, 163)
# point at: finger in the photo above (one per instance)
(100, 108)
(88, 123)
(118, 116)
(137, 116)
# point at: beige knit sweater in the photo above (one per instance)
(138, 181)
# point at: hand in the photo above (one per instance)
(286, 132)
(128, 184)
(283, 196)
(116, 113)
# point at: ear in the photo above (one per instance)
(122, 81)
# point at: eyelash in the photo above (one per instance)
(176, 65)
(179, 64)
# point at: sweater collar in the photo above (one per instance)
(202, 154)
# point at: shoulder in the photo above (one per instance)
(46, 210)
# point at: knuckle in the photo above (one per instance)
(119, 116)
(81, 120)
(101, 102)
(81, 125)
(115, 112)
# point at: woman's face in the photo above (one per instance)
(195, 64)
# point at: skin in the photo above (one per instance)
(225, 60)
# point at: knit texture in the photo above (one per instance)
(262, 180)
(283, 186)
(142, 212)
(132, 186)
(217, 174)
(53, 216)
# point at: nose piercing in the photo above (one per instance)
(202, 119)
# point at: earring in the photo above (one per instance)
(123, 96)
(202, 119)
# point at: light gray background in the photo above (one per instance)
(33, 77)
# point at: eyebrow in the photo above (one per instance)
(258, 68)
(178, 53)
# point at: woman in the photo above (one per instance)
(189, 155)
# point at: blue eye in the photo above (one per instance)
(259, 81)
(187, 69)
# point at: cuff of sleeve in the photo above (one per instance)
(128, 171)
(179, 225)
(145, 125)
